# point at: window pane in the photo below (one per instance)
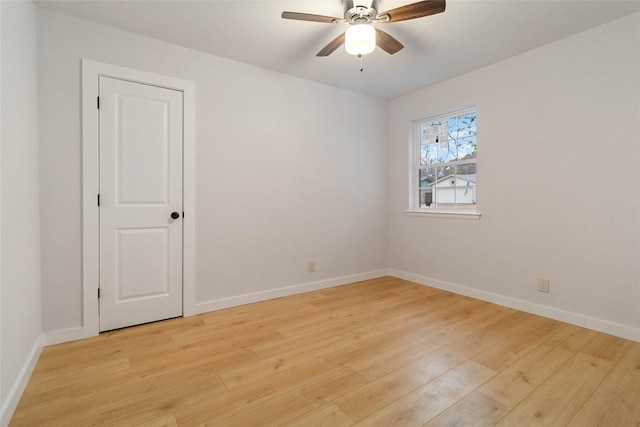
(466, 148)
(425, 178)
(452, 129)
(448, 141)
(447, 152)
(428, 154)
(444, 195)
(466, 186)
(448, 187)
(467, 169)
(466, 125)
(430, 182)
(429, 133)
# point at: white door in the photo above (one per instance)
(140, 139)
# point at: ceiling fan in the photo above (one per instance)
(361, 37)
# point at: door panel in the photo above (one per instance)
(143, 148)
(140, 186)
(142, 267)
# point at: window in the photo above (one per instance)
(444, 163)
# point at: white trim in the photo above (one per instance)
(13, 396)
(415, 166)
(205, 307)
(471, 108)
(622, 331)
(189, 200)
(2, 402)
(453, 163)
(414, 189)
(443, 214)
(64, 335)
(90, 188)
(90, 72)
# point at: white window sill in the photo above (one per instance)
(443, 213)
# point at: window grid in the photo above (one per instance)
(445, 162)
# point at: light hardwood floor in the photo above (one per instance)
(383, 352)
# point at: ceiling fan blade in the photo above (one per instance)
(332, 46)
(309, 17)
(414, 10)
(387, 42)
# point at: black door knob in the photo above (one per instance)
(175, 215)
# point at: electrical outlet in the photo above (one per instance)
(543, 285)
(312, 267)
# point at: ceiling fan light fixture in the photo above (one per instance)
(360, 39)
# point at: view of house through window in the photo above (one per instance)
(445, 163)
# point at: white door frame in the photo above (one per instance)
(90, 185)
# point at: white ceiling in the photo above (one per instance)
(468, 35)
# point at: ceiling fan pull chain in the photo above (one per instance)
(361, 62)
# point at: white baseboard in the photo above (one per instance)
(599, 325)
(13, 397)
(234, 301)
(66, 335)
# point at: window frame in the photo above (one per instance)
(415, 166)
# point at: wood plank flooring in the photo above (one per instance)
(384, 352)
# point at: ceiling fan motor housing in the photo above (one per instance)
(360, 11)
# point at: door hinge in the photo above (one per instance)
(98, 103)
(98, 200)
(98, 293)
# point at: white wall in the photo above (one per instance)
(288, 171)
(556, 126)
(20, 310)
